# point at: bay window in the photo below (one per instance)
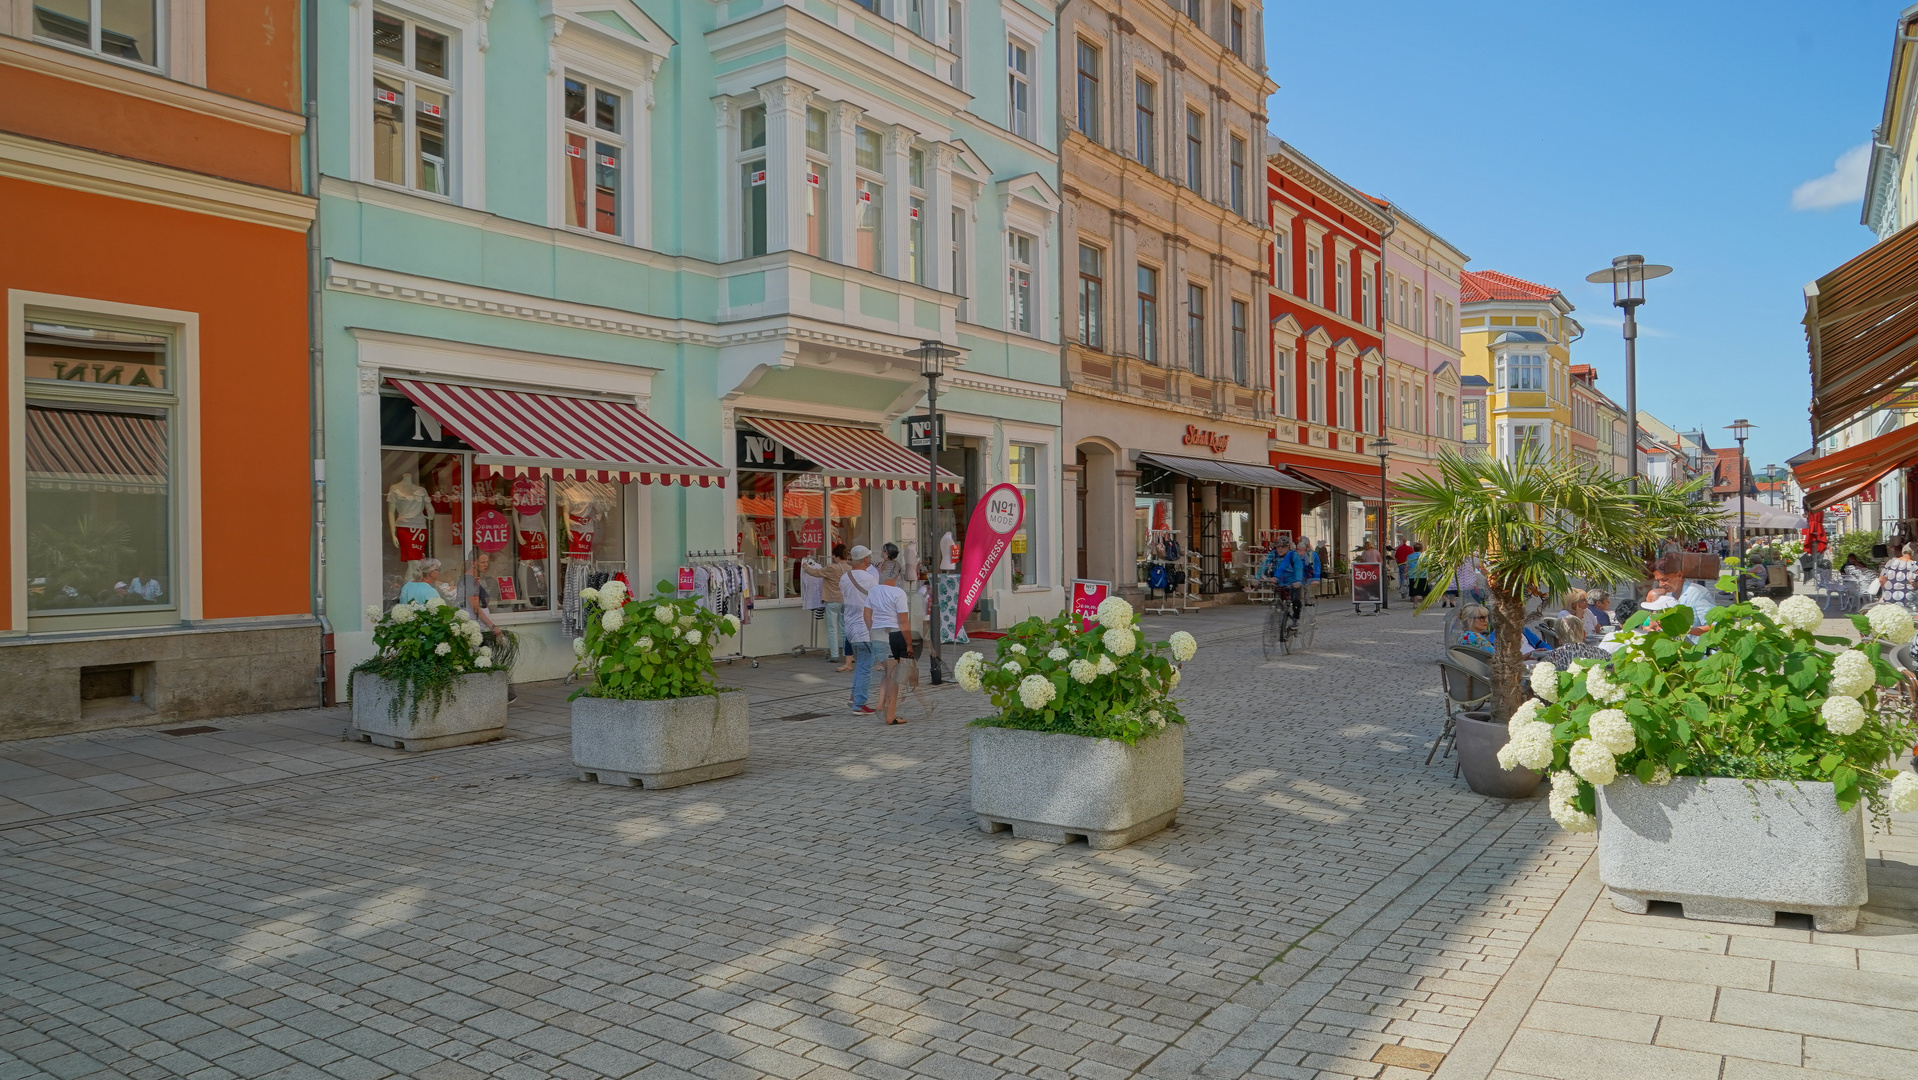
(752, 180)
(869, 209)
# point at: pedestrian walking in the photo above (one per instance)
(831, 593)
(425, 584)
(1402, 555)
(889, 630)
(1420, 586)
(1898, 578)
(856, 586)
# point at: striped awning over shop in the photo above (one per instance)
(854, 456)
(518, 433)
(1356, 485)
(96, 450)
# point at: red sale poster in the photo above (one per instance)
(1086, 598)
(506, 590)
(491, 531)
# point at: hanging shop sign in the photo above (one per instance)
(919, 431)
(1086, 598)
(686, 580)
(491, 531)
(1211, 440)
(756, 451)
(995, 520)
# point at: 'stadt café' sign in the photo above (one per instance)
(1211, 440)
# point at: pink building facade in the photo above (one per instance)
(1423, 403)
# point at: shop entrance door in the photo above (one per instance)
(1079, 500)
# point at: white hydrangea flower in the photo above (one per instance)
(693, 637)
(1661, 775)
(1803, 613)
(1602, 688)
(664, 614)
(1113, 613)
(674, 632)
(1903, 793)
(1184, 646)
(687, 622)
(968, 671)
(1569, 817)
(402, 613)
(1083, 671)
(434, 603)
(483, 659)
(1017, 648)
(579, 647)
(1035, 691)
(1593, 763)
(1888, 621)
(1106, 665)
(1851, 674)
(1766, 605)
(732, 625)
(463, 615)
(1612, 730)
(1056, 654)
(1545, 681)
(1528, 744)
(590, 595)
(373, 613)
(613, 619)
(1527, 712)
(1173, 682)
(442, 648)
(1843, 715)
(613, 593)
(645, 642)
(1155, 718)
(1119, 641)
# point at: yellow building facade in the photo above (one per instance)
(1517, 335)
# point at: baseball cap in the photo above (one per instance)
(858, 552)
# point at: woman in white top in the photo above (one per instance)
(886, 622)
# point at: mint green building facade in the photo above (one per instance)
(710, 213)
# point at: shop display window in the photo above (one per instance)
(783, 522)
(1151, 513)
(1023, 473)
(98, 468)
(1237, 559)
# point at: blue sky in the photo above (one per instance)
(1544, 138)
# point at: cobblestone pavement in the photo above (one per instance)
(1327, 905)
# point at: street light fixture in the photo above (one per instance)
(1627, 276)
(1741, 430)
(932, 357)
(1771, 484)
(1382, 446)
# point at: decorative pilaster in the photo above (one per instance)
(785, 101)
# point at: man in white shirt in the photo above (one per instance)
(887, 624)
(854, 588)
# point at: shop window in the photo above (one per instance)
(594, 157)
(1148, 314)
(124, 30)
(752, 181)
(1091, 297)
(1019, 300)
(412, 105)
(1023, 473)
(1241, 344)
(1090, 65)
(100, 425)
(783, 523)
(1145, 120)
(1019, 88)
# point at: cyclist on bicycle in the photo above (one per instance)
(1287, 570)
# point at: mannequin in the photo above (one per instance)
(409, 515)
(583, 508)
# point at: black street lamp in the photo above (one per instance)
(1382, 446)
(1627, 276)
(932, 357)
(1771, 484)
(1741, 430)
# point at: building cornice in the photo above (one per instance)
(1296, 166)
(71, 167)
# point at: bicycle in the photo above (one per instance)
(1284, 632)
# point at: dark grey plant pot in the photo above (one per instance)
(1479, 741)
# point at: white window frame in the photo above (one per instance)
(1022, 276)
(1314, 275)
(1365, 299)
(165, 37)
(955, 42)
(1038, 523)
(959, 252)
(593, 133)
(467, 134)
(624, 65)
(1282, 260)
(1315, 391)
(1368, 397)
(1343, 377)
(1021, 87)
(1342, 286)
(1237, 168)
(866, 175)
(183, 328)
(1285, 403)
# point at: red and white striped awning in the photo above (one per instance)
(524, 434)
(854, 456)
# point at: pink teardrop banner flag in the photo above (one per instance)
(995, 521)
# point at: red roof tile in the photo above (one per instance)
(1477, 286)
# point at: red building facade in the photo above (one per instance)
(1326, 348)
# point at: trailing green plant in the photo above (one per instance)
(1102, 682)
(1757, 696)
(647, 650)
(1858, 542)
(424, 649)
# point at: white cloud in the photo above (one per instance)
(1845, 183)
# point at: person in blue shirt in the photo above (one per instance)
(425, 587)
(1288, 570)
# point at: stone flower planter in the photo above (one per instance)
(1479, 741)
(1733, 850)
(475, 713)
(660, 744)
(1056, 788)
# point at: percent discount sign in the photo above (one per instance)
(995, 520)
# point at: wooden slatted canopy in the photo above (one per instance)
(1861, 327)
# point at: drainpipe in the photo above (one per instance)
(316, 413)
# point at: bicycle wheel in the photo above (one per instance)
(1308, 623)
(1278, 623)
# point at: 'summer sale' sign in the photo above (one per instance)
(988, 536)
(1086, 598)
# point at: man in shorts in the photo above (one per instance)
(888, 627)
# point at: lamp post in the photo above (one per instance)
(1627, 276)
(932, 357)
(1382, 446)
(1741, 430)
(1771, 484)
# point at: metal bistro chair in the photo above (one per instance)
(1465, 677)
(1828, 583)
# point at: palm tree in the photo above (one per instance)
(1536, 524)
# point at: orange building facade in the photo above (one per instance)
(155, 460)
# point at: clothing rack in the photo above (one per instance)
(716, 555)
(1154, 538)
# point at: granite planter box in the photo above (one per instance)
(1056, 788)
(475, 712)
(1733, 850)
(1478, 743)
(660, 744)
